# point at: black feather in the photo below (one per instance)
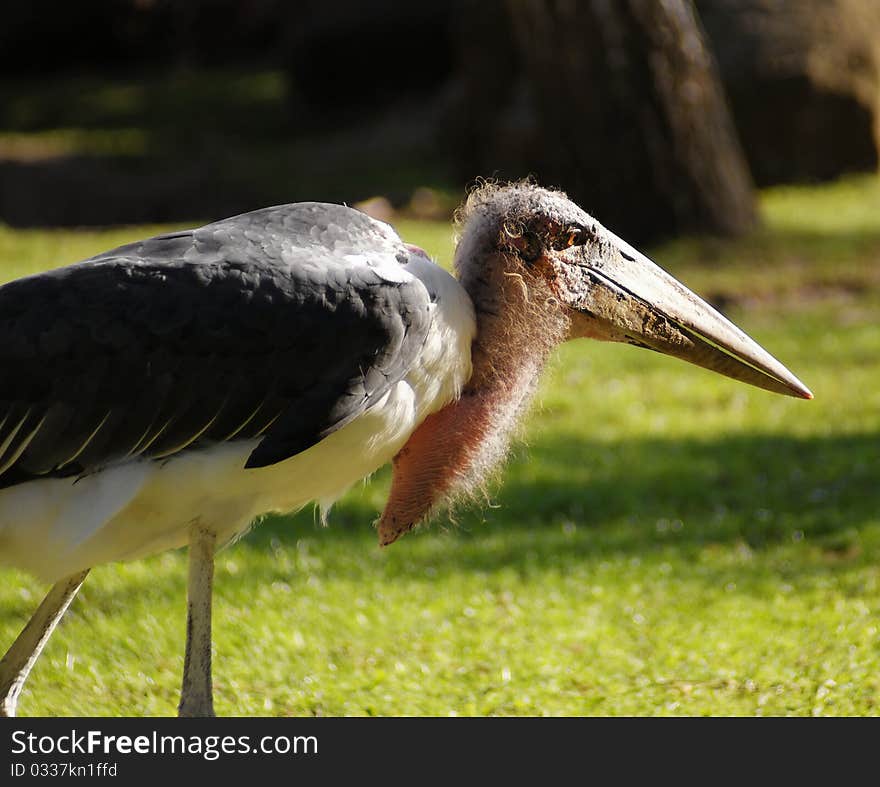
(275, 323)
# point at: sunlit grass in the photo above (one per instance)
(668, 542)
(847, 207)
(16, 146)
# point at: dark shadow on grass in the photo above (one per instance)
(566, 503)
(775, 511)
(567, 500)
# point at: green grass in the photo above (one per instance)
(669, 542)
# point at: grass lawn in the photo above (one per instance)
(668, 542)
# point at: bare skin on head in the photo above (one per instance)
(520, 320)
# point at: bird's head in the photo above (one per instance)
(534, 260)
(540, 271)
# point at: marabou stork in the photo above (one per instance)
(169, 391)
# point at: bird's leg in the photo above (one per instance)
(20, 658)
(196, 696)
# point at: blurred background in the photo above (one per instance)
(670, 542)
(660, 118)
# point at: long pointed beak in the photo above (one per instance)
(634, 301)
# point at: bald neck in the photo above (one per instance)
(454, 451)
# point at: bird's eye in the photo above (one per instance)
(573, 236)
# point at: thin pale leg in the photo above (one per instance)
(196, 695)
(20, 658)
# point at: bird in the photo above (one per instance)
(168, 392)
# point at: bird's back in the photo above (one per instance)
(172, 378)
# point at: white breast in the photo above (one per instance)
(54, 527)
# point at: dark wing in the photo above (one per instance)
(285, 324)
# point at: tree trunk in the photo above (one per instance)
(803, 80)
(634, 120)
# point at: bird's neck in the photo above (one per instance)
(454, 451)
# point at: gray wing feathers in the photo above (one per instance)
(275, 324)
